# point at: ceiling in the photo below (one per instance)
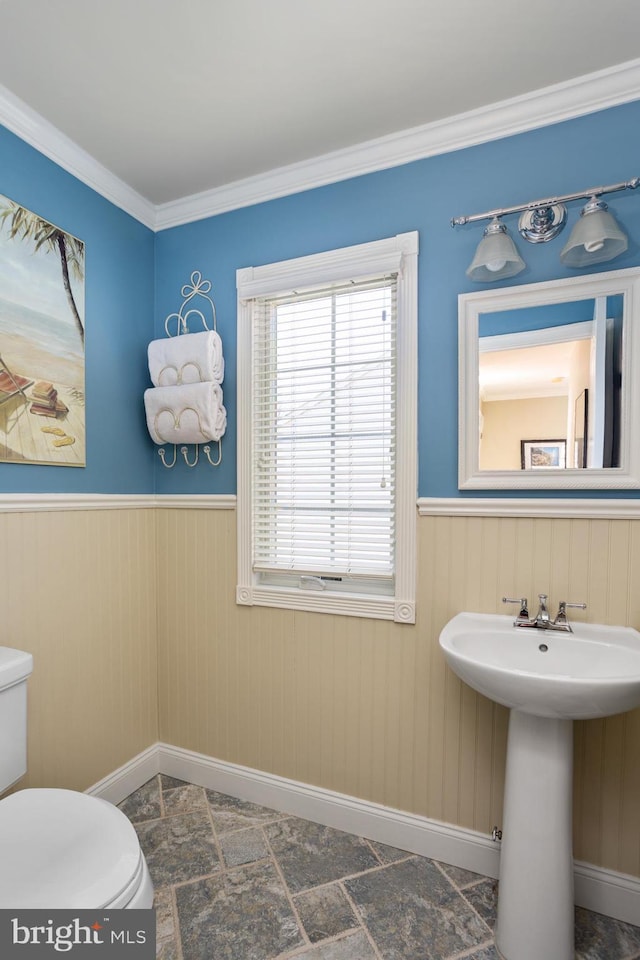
(526, 372)
(177, 97)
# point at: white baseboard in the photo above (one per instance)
(604, 891)
(123, 781)
(429, 838)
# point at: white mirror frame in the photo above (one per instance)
(472, 305)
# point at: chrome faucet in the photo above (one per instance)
(542, 620)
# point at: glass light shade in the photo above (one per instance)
(595, 238)
(496, 256)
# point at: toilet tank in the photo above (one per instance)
(15, 667)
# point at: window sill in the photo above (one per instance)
(353, 605)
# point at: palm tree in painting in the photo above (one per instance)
(26, 225)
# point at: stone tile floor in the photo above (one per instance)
(235, 881)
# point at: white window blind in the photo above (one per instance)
(324, 409)
(327, 431)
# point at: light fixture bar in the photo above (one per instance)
(548, 202)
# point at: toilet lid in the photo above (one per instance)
(62, 849)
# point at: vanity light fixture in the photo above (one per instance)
(496, 256)
(595, 238)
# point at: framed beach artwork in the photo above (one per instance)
(42, 412)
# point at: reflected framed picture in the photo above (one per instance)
(543, 454)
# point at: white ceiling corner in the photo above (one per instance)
(35, 130)
(121, 88)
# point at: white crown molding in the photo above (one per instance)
(53, 502)
(604, 891)
(553, 104)
(570, 509)
(30, 126)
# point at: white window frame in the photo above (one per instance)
(395, 254)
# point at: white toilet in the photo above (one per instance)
(58, 848)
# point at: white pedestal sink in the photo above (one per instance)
(548, 679)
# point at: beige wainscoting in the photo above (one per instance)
(368, 708)
(78, 591)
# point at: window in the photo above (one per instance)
(327, 431)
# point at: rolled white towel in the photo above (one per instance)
(191, 358)
(192, 413)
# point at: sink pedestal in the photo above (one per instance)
(535, 899)
(548, 679)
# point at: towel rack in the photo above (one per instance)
(196, 288)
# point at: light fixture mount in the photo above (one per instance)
(541, 224)
(550, 202)
(596, 237)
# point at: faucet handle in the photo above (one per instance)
(524, 606)
(562, 610)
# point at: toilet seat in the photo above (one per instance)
(63, 849)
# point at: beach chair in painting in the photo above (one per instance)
(11, 383)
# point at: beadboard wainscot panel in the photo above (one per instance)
(572, 557)
(369, 708)
(78, 591)
(322, 699)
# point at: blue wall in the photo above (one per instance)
(598, 149)
(134, 280)
(537, 318)
(118, 324)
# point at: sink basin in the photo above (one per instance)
(548, 678)
(592, 672)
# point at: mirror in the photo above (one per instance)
(547, 393)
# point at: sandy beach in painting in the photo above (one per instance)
(41, 348)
